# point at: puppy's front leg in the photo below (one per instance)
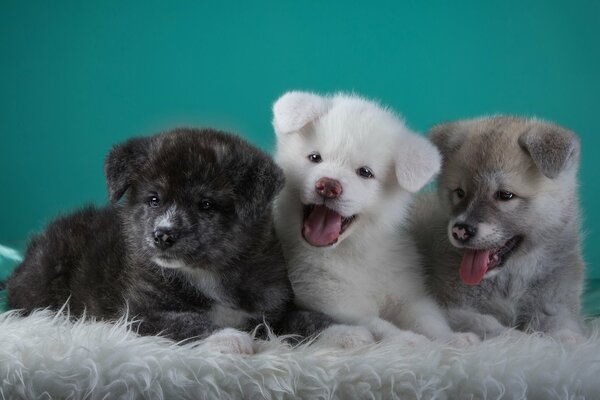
(424, 316)
(182, 326)
(558, 322)
(483, 325)
(384, 330)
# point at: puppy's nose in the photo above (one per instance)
(463, 232)
(328, 188)
(164, 238)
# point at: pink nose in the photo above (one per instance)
(328, 188)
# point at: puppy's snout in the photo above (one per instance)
(463, 232)
(328, 188)
(164, 238)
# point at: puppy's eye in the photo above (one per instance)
(315, 157)
(459, 193)
(205, 205)
(504, 195)
(153, 201)
(365, 172)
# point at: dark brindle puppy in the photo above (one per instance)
(191, 251)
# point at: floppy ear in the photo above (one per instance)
(417, 162)
(258, 185)
(120, 164)
(551, 147)
(447, 137)
(294, 110)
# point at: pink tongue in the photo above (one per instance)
(473, 266)
(322, 226)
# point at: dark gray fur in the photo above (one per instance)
(101, 259)
(539, 286)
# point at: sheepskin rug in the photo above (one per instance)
(45, 355)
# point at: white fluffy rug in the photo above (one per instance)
(46, 356)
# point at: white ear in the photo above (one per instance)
(417, 162)
(294, 110)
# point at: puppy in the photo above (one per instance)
(350, 169)
(502, 239)
(191, 251)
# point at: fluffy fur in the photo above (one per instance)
(191, 250)
(514, 182)
(48, 356)
(350, 169)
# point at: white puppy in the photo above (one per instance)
(350, 168)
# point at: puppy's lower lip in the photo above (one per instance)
(323, 226)
(501, 254)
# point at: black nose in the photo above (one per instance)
(164, 238)
(463, 232)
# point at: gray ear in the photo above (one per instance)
(447, 137)
(294, 110)
(121, 163)
(551, 147)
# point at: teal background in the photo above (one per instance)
(76, 77)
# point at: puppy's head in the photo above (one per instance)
(195, 198)
(507, 184)
(346, 161)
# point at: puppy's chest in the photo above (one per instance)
(502, 298)
(348, 275)
(224, 308)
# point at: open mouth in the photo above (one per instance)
(477, 262)
(323, 226)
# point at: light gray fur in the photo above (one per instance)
(539, 286)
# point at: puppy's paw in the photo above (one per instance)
(230, 340)
(346, 336)
(411, 339)
(567, 336)
(463, 339)
(384, 331)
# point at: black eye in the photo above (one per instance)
(315, 157)
(153, 201)
(365, 172)
(206, 204)
(459, 193)
(504, 195)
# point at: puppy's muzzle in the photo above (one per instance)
(463, 232)
(164, 238)
(328, 188)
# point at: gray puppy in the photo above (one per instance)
(191, 251)
(501, 240)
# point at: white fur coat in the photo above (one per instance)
(47, 356)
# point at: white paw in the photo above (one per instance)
(346, 336)
(383, 330)
(567, 336)
(411, 339)
(463, 339)
(230, 340)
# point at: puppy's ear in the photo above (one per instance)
(294, 110)
(447, 137)
(120, 164)
(258, 185)
(552, 148)
(417, 162)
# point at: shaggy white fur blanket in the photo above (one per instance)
(47, 356)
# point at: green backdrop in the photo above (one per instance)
(78, 76)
